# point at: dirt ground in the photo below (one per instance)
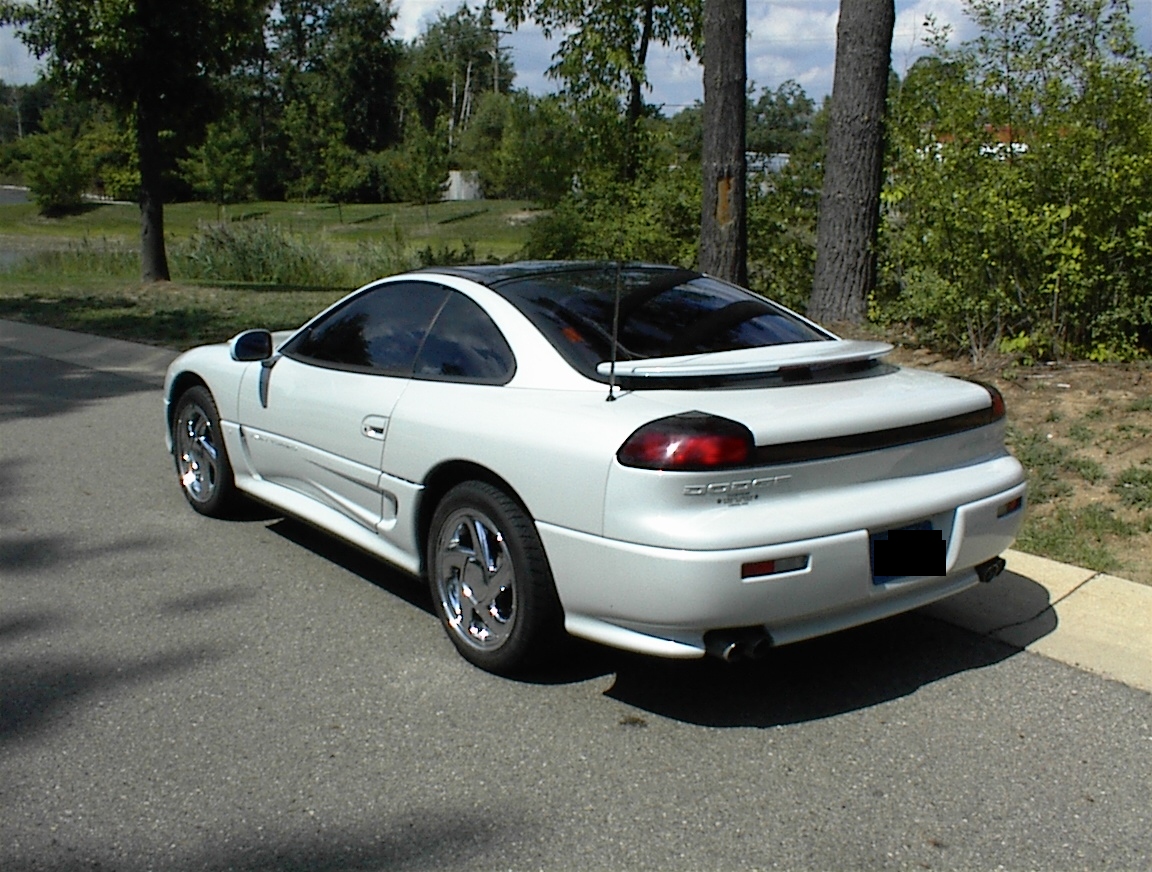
(1082, 430)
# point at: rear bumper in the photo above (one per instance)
(662, 600)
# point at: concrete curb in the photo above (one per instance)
(1086, 619)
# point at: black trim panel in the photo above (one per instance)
(878, 440)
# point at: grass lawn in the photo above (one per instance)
(496, 228)
(81, 272)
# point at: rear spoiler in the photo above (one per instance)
(766, 360)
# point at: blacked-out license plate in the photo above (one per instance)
(914, 550)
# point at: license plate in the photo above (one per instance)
(910, 551)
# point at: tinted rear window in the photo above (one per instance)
(663, 313)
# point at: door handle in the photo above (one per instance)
(374, 427)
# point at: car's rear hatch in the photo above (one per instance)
(877, 445)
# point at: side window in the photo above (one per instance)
(465, 345)
(380, 330)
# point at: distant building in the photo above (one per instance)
(463, 185)
(761, 167)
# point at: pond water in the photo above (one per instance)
(10, 195)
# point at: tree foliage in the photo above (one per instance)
(453, 64)
(603, 51)
(152, 61)
(524, 147)
(58, 168)
(1020, 196)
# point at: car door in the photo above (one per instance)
(315, 417)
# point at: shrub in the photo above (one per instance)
(256, 251)
(57, 171)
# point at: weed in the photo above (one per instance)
(84, 257)
(1127, 429)
(1078, 536)
(1144, 404)
(1044, 462)
(1081, 434)
(1134, 487)
(1088, 469)
(447, 256)
(257, 251)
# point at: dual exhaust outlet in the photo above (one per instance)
(738, 643)
(751, 643)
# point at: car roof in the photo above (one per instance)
(492, 275)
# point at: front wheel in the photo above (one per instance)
(201, 459)
(490, 581)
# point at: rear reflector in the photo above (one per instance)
(773, 567)
(1010, 507)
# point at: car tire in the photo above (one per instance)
(202, 465)
(490, 581)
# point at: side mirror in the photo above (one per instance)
(251, 345)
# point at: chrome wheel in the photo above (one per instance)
(475, 579)
(201, 459)
(197, 459)
(490, 580)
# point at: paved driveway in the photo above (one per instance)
(181, 693)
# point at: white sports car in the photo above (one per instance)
(638, 455)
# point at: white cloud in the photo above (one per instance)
(413, 16)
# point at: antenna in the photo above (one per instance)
(615, 337)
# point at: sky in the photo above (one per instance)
(787, 39)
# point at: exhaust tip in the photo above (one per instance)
(738, 643)
(990, 569)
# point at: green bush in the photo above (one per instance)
(57, 171)
(654, 219)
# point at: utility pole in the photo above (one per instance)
(496, 57)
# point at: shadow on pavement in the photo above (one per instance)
(444, 837)
(806, 681)
(1013, 608)
(820, 678)
(405, 587)
(34, 692)
(39, 387)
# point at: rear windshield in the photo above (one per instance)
(662, 313)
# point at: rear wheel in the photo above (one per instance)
(490, 580)
(202, 465)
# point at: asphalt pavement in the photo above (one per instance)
(181, 693)
(1088, 619)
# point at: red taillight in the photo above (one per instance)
(998, 407)
(688, 442)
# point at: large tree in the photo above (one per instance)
(723, 225)
(854, 165)
(604, 49)
(153, 60)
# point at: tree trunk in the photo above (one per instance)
(153, 258)
(854, 165)
(635, 110)
(723, 228)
